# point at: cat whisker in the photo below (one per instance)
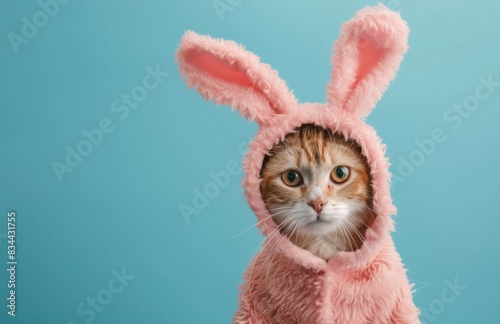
(269, 239)
(426, 284)
(352, 240)
(416, 290)
(262, 220)
(288, 233)
(284, 234)
(363, 240)
(358, 233)
(342, 231)
(274, 250)
(355, 215)
(258, 245)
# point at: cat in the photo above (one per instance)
(317, 187)
(320, 186)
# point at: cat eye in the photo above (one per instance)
(291, 178)
(340, 174)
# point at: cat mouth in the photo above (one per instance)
(319, 220)
(319, 226)
(322, 220)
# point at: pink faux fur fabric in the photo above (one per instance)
(284, 283)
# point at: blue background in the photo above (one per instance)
(119, 208)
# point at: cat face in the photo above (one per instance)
(316, 183)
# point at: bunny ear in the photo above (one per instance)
(366, 58)
(223, 71)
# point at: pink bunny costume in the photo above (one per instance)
(365, 286)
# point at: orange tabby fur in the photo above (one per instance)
(314, 152)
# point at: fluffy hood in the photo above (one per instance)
(365, 59)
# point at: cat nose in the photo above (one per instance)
(316, 204)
